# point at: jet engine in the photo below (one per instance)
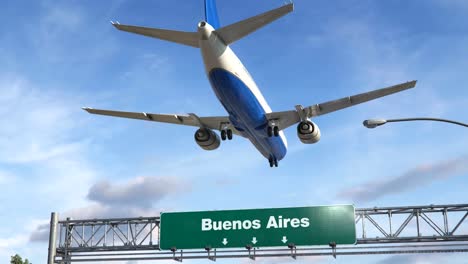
(308, 132)
(207, 139)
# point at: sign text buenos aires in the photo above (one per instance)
(271, 227)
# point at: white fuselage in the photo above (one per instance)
(237, 91)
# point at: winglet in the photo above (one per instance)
(87, 109)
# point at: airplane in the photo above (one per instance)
(249, 114)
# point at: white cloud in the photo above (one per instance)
(147, 64)
(140, 191)
(7, 245)
(135, 198)
(42, 131)
(34, 122)
(43, 154)
(6, 177)
(12, 241)
(414, 178)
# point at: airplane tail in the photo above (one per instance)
(229, 34)
(211, 14)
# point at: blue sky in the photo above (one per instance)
(58, 56)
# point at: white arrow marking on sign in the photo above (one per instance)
(225, 241)
(254, 240)
(284, 239)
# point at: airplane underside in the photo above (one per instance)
(246, 114)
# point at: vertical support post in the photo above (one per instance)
(68, 240)
(92, 235)
(60, 235)
(333, 246)
(105, 234)
(128, 233)
(159, 234)
(52, 238)
(83, 240)
(417, 222)
(390, 222)
(363, 226)
(446, 227)
(151, 233)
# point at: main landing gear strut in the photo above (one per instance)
(272, 129)
(273, 162)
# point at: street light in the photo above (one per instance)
(373, 123)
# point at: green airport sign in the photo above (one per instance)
(271, 227)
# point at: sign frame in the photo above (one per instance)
(240, 233)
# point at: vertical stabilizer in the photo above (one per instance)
(211, 14)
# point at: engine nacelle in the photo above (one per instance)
(207, 139)
(308, 132)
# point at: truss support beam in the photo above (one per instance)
(423, 229)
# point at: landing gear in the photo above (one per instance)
(273, 131)
(273, 162)
(226, 133)
(223, 134)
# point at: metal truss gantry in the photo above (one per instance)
(380, 230)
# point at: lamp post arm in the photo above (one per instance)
(427, 119)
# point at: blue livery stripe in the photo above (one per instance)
(211, 14)
(245, 112)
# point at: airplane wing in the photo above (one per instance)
(212, 122)
(286, 119)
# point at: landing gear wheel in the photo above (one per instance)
(229, 134)
(270, 131)
(273, 162)
(275, 131)
(223, 134)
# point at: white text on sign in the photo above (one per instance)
(208, 224)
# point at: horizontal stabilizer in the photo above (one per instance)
(181, 37)
(236, 31)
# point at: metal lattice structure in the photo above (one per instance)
(386, 230)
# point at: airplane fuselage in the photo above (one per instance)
(239, 95)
